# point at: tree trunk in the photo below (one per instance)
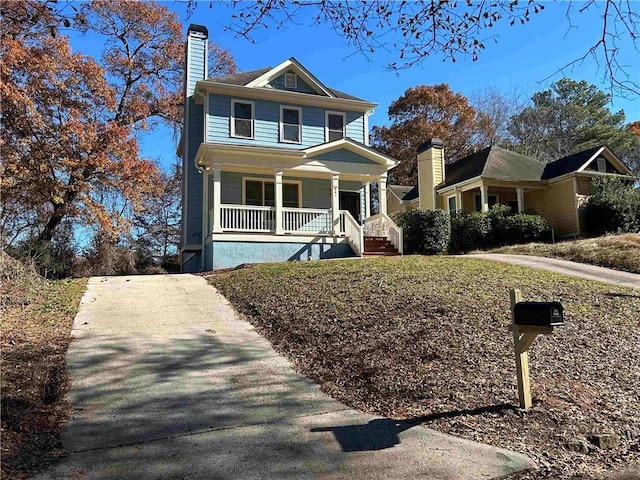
(59, 212)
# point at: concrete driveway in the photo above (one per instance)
(169, 384)
(574, 269)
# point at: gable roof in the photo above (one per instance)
(298, 68)
(353, 146)
(577, 162)
(493, 162)
(241, 78)
(404, 193)
(262, 76)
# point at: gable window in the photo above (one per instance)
(262, 193)
(602, 165)
(290, 124)
(290, 80)
(336, 126)
(492, 199)
(242, 118)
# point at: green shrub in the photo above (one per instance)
(469, 231)
(497, 227)
(426, 232)
(613, 207)
(526, 228)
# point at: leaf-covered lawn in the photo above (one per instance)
(620, 252)
(427, 338)
(36, 318)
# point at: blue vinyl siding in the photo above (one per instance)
(196, 62)
(303, 87)
(355, 126)
(193, 223)
(267, 124)
(316, 192)
(344, 155)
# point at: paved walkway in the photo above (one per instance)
(169, 384)
(581, 270)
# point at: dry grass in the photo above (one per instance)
(426, 338)
(620, 252)
(36, 318)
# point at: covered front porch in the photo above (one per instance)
(483, 194)
(285, 199)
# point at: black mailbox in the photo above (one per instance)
(539, 314)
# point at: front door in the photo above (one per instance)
(351, 201)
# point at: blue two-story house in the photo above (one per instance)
(276, 167)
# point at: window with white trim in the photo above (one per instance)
(242, 118)
(262, 193)
(336, 125)
(290, 124)
(602, 164)
(451, 204)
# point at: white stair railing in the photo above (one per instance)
(353, 231)
(381, 225)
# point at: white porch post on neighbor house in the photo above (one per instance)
(278, 199)
(382, 194)
(484, 197)
(367, 200)
(335, 203)
(520, 196)
(217, 226)
(459, 201)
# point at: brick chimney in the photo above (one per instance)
(430, 172)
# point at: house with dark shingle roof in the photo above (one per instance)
(495, 175)
(276, 166)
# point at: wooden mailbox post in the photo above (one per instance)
(538, 318)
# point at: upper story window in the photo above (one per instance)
(290, 124)
(336, 123)
(242, 118)
(602, 164)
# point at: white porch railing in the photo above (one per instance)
(247, 218)
(307, 220)
(302, 221)
(353, 231)
(380, 225)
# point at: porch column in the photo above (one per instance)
(278, 199)
(217, 226)
(484, 197)
(205, 206)
(367, 200)
(520, 196)
(363, 208)
(335, 203)
(382, 194)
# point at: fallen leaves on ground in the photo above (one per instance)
(620, 252)
(36, 318)
(427, 338)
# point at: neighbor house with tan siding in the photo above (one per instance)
(494, 175)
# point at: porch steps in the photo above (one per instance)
(379, 246)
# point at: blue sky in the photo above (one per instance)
(521, 60)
